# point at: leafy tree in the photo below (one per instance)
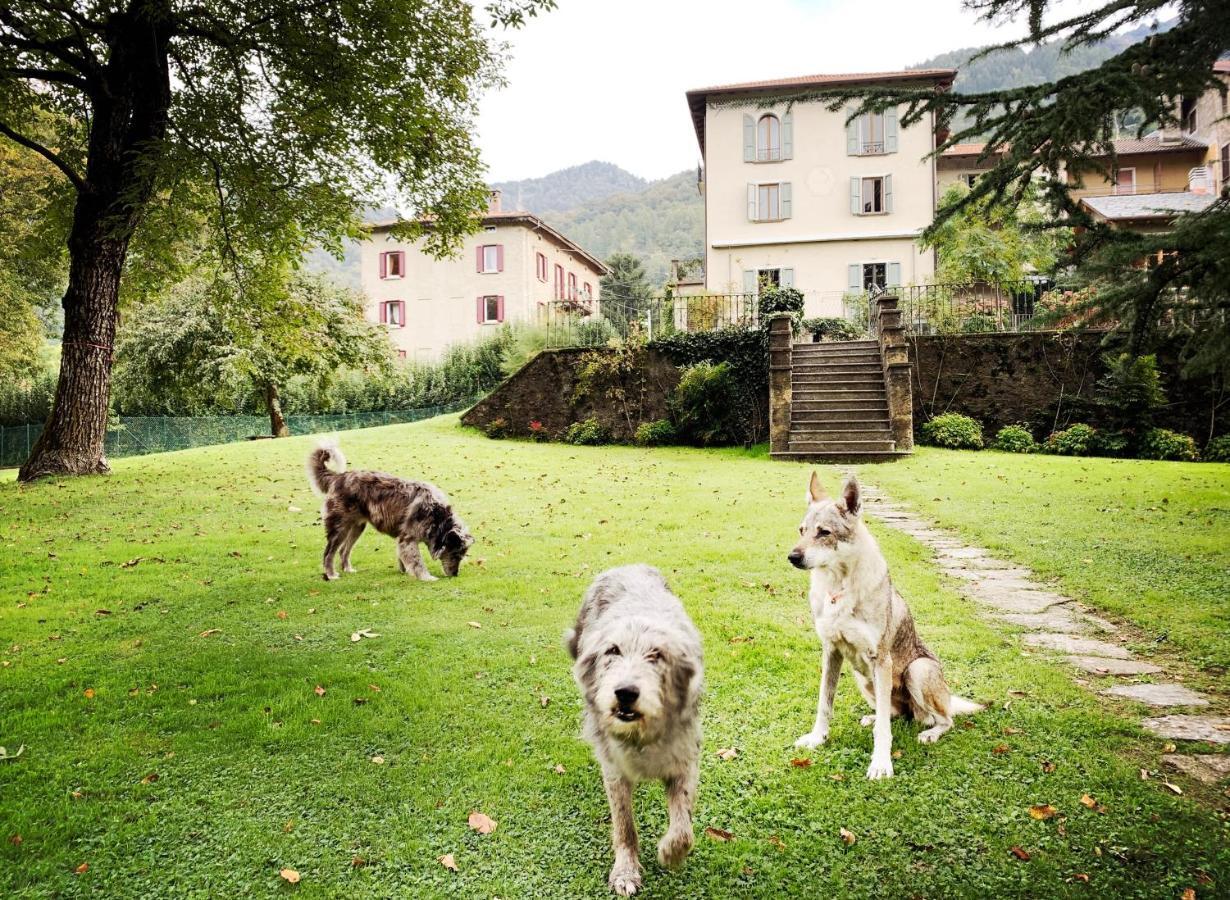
(625, 290)
(217, 337)
(291, 112)
(991, 242)
(1068, 124)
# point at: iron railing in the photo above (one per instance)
(972, 308)
(570, 325)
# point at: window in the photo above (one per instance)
(770, 278)
(872, 195)
(572, 286)
(868, 276)
(969, 179)
(393, 264)
(393, 313)
(768, 203)
(490, 258)
(587, 292)
(1225, 165)
(541, 261)
(559, 282)
(1187, 114)
(875, 275)
(1125, 181)
(768, 139)
(490, 309)
(872, 134)
(401, 354)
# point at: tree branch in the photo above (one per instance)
(56, 75)
(77, 181)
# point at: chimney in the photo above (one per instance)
(493, 204)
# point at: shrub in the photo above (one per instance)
(1111, 443)
(587, 433)
(746, 351)
(834, 329)
(655, 434)
(1015, 439)
(782, 300)
(497, 428)
(705, 405)
(1161, 443)
(1218, 449)
(1130, 392)
(953, 430)
(1076, 440)
(537, 432)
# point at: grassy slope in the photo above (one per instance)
(1145, 541)
(248, 783)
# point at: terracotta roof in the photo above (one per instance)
(964, 150)
(1223, 66)
(698, 96)
(1155, 144)
(513, 217)
(1128, 207)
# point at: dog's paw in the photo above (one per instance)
(674, 847)
(868, 720)
(811, 740)
(349, 568)
(625, 881)
(931, 735)
(331, 576)
(427, 576)
(880, 769)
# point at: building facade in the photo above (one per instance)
(795, 195)
(509, 271)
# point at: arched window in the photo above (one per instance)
(768, 138)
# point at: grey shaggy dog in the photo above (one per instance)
(410, 512)
(640, 668)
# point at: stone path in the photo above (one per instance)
(1057, 624)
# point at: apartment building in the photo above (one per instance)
(795, 195)
(509, 271)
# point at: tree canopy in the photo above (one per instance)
(625, 289)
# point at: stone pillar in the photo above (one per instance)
(898, 379)
(781, 337)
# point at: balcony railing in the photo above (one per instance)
(872, 148)
(570, 325)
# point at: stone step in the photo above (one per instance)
(838, 456)
(820, 394)
(864, 430)
(845, 408)
(859, 356)
(829, 345)
(854, 382)
(841, 446)
(1160, 694)
(852, 368)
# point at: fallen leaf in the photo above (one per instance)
(447, 861)
(776, 842)
(359, 701)
(1081, 877)
(718, 834)
(320, 691)
(358, 862)
(1173, 788)
(1048, 766)
(474, 624)
(150, 778)
(1042, 811)
(315, 721)
(281, 614)
(847, 837)
(1189, 894)
(1019, 854)
(373, 687)
(355, 637)
(1001, 749)
(102, 612)
(1088, 802)
(82, 869)
(481, 822)
(378, 760)
(838, 776)
(559, 769)
(290, 876)
(896, 754)
(211, 631)
(544, 701)
(1168, 748)
(15, 840)
(727, 753)
(1144, 774)
(801, 763)
(288, 827)
(89, 693)
(1011, 731)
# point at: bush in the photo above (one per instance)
(782, 300)
(746, 351)
(953, 430)
(1076, 440)
(1218, 449)
(1015, 439)
(705, 405)
(834, 329)
(1111, 443)
(497, 428)
(587, 433)
(655, 434)
(1130, 392)
(1161, 443)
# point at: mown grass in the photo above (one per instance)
(1146, 541)
(256, 772)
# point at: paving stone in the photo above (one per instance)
(1056, 618)
(1080, 646)
(1099, 623)
(1207, 767)
(1100, 665)
(1159, 694)
(1191, 728)
(964, 552)
(1016, 601)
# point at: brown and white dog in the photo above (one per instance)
(411, 512)
(862, 620)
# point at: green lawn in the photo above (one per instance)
(110, 591)
(1147, 542)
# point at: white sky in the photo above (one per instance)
(597, 79)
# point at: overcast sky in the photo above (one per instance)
(605, 79)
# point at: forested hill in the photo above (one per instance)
(569, 188)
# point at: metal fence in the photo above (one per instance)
(969, 308)
(571, 324)
(139, 435)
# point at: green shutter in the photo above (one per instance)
(894, 274)
(855, 278)
(890, 130)
(852, 147)
(888, 193)
(751, 202)
(856, 195)
(788, 278)
(749, 139)
(783, 200)
(788, 135)
(749, 281)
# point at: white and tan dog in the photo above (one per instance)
(862, 620)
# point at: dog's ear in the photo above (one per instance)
(685, 678)
(454, 540)
(852, 495)
(815, 490)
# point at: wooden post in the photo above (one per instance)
(895, 355)
(781, 336)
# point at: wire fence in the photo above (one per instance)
(138, 435)
(570, 324)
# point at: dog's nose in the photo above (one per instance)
(627, 694)
(796, 558)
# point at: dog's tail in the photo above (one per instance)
(318, 472)
(959, 706)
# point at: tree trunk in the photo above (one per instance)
(277, 423)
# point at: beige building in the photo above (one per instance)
(509, 271)
(795, 196)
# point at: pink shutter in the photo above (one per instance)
(401, 263)
(384, 311)
(384, 265)
(499, 257)
(481, 310)
(499, 308)
(401, 308)
(480, 260)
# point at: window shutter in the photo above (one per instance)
(856, 195)
(888, 193)
(384, 265)
(749, 139)
(890, 130)
(751, 202)
(480, 259)
(894, 274)
(481, 310)
(788, 278)
(749, 281)
(499, 257)
(854, 278)
(499, 308)
(784, 205)
(384, 313)
(788, 136)
(852, 129)
(401, 309)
